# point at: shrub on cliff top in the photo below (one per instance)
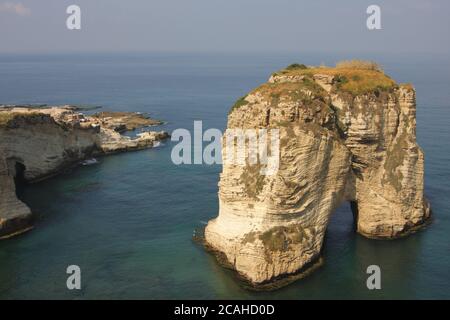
(359, 64)
(359, 81)
(239, 103)
(6, 117)
(296, 66)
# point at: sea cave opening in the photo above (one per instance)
(354, 209)
(342, 226)
(19, 178)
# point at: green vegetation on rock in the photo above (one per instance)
(296, 66)
(239, 103)
(277, 238)
(395, 159)
(6, 117)
(253, 180)
(355, 76)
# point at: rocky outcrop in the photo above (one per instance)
(38, 143)
(124, 121)
(346, 134)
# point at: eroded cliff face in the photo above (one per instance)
(345, 135)
(36, 144)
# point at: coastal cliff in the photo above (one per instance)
(38, 143)
(346, 134)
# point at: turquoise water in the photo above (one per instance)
(128, 221)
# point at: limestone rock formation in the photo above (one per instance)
(38, 143)
(346, 134)
(124, 121)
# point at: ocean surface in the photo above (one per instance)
(128, 220)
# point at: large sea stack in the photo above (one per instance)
(346, 134)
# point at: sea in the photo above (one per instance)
(127, 221)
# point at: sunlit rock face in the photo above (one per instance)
(345, 135)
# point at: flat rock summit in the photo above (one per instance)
(347, 133)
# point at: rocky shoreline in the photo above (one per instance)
(38, 143)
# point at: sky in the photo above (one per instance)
(407, 26)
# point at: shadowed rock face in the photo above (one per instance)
(38, 143)
(345, 135)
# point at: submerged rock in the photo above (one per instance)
(346, 134)
(38, 143)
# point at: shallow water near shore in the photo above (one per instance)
(128, 220)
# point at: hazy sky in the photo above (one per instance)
(408, 26)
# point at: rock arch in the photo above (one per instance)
(334, 147)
